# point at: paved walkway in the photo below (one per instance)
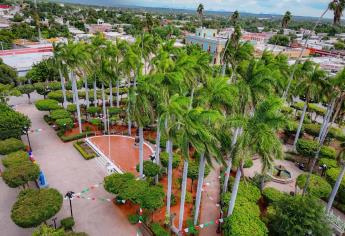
(210, 197)
(65, 170)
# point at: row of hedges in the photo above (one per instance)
(11, 145)
(85, 154)
(19, 169)
(312, 107)
(314, 130)
(75, 136)
(245, 219)
(308, 148)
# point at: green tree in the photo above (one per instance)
(286, 19)
(298, 216)
(35, 206)
(26, 89)
(337, 7)
(279, 39)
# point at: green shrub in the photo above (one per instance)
(189, 197)
(150, 169)
(64, 123)
(248, 163)
(58, 96)
(47, 105)
(308, 148)
(173, 200)
(245, 219)
(20, 174)
(59, 114)
(97, 122)
(67, 223)
(317, 109)
(286, 110)
(114, 111)
(331, 177)
(158, 230)
(11, 145)
(246, 191)
(75, 136)
(85, 154)
(317, 187)
(272, 195)
(164, 158)
(133, 219)
(71, 108)
(34, 206)
(312, 129)
(291, 127)
(328, 162)
(92, 110)
(298, 105)
(336, 133)
(12, 123)
(15, 158)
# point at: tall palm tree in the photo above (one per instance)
(141, 111)
(286, 19)
(341, 159)
(258, 137)
(337, 6)
(235, 17)
(310, 83)
(59, 62)
(200, 12)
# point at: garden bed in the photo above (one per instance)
(84, 150)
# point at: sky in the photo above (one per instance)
(297, 7)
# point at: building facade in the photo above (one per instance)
(209, 41)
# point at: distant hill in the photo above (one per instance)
(125, 4)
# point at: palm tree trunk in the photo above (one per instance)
(111, 93)
(170, 152)
(128, 110)
(141, 152)
(73, 90)
(335, 189)
(229, 164)
(63, 88)
(86, 92)
(158, 148)
(183, 193)
(104, 108)
(227, 175)
(300, 125)
(199, 189)
(74, 84)
(191, 98)
(223, 69)
(117, 93)
(234, 192)
(95, 102)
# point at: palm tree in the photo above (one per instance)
(212, 122)
(311, 82)
(337, 6)
(59, 61)
(235, 17)
(340, 158)
(141, 111)
(200, 12)
(286, 19)
(258, 136)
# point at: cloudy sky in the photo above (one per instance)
(297, 7)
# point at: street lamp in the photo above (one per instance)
(26, 131)
(70, 195)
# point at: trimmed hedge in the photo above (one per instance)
(318, 186)
(164, 158)
(47, 105)
(76, 136)
(158, 230)
(58, 96)
(35, 206)
(67, 223)
(331, 177)
(59, 114)
(291, 127)
(312, 129)
(86, 155)
(11, 145)
(64, 123)
(298, 105)
(328, 162)
(313, 107)
(308, 148)
(150, 169)
(15, 158)
(272, 195)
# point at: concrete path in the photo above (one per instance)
(65, 170)
(210, 199)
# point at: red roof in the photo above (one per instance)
(4, 6)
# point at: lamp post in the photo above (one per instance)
(26, 131)
(70, 195)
